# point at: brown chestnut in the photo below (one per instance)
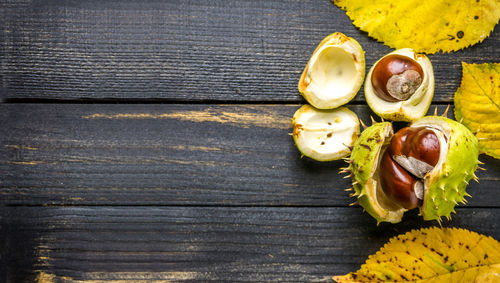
(412, 153)
(396, 77)
(399, 185)
(420, 144)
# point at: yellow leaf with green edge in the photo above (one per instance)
(432, 255)
(477, 104)
(426, 26)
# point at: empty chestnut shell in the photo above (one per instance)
(396, 77)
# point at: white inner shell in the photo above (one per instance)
(334, 74)
(325, 134)
(331, 74)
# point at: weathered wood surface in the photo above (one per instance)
(62, 244)
(182, 50)
(172, 155)
(193, 191)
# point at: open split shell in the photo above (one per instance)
(334, 73)
(444, 185)
(325, 135)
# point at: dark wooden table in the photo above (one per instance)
(148, 140)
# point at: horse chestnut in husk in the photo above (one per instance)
(411, 154)
(400, 85)
(396, 77)
(426, 165)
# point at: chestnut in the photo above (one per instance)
(400, 85)
(386, 189)
(411, 154)
(396, 77)
(420, 143)
(398, 185)
(424, 146)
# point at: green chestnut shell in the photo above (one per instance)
(444, 185)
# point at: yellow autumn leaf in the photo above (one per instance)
(477, 104)
(432, 255)
(427, 26)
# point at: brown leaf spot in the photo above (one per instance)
(460, 34)
(366, 146)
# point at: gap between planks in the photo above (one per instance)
(175, 101)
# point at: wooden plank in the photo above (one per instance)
(201, 243)
(182, 50)
(172, 155)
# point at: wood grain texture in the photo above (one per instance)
(182, 192)
(182, 50)
(172, 155)
(62, 244)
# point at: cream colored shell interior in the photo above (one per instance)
(325, 134)
(334, 73)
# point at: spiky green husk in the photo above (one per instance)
(446, 185)
(363, 164)
(366, 150)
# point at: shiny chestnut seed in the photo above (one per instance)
(420, 143)
(425, 146)
(399, 185)
(399, 144)
(396, 78)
